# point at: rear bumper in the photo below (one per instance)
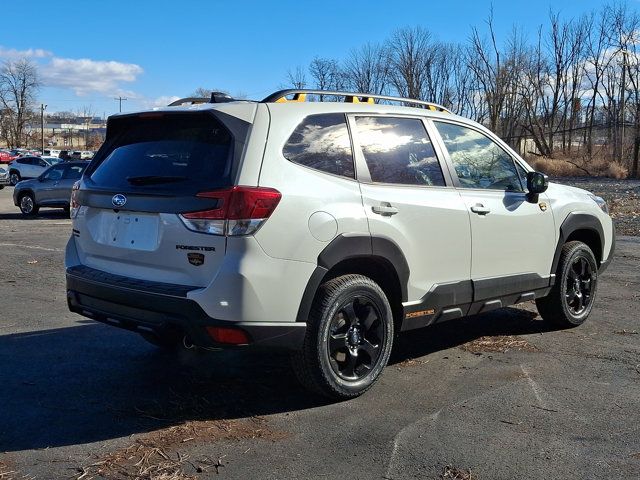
(154, 307)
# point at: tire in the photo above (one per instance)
(14, 177)
(163, 341)
(571, 298)
(28, 205)
(348, 339)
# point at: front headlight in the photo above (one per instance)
(601, 203)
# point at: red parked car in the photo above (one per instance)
(6, 157)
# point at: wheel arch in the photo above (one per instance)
(378, 258)
(582, 227)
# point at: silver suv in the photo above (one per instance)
(321, 227)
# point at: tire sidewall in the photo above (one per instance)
(375, 295)
(585, 252)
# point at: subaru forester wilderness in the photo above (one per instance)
(321, 227)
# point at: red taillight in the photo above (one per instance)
(240, 203)
(241, 210)
(230, 336)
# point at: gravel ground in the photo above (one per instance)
(623, 197)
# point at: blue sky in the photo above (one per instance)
(89, 52)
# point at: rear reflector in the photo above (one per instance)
(241, 211)
(74, 204)
(230, 336)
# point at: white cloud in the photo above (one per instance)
(85, 76)
(13, 54)
(161, 101)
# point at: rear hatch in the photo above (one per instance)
(149, 171)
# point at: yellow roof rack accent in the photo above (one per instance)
(300, 95)
(354, 99)
(297, 97)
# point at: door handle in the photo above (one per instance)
(480, 209)
(385, 209)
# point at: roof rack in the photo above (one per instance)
(189, 100)
(216, 97)
(300, 95)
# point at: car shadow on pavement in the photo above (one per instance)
(91, 382)
(49, 214)
(438, 337)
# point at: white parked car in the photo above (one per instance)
(322, 227)
(29, 166)
(81, 155)
(51, 152)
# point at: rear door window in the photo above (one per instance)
(322, 142)
(175, 153)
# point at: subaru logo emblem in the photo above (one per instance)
(119, 200)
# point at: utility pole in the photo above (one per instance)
(120, 99)
(42, 109)
(622, 101)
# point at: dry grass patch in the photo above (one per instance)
(575, 167)
(498, 344)
(155, 456)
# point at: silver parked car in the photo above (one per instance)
(51, 189)
(4, 177)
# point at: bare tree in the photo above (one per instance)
(410, 52)
(366, 69)
(326, 74)
(296, 78)
(19, 86)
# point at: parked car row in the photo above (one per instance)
(7, 156)
(41, 181)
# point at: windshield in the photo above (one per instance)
(173, 152)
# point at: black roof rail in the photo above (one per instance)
(300, 95)
(216, 97)
(189, 100)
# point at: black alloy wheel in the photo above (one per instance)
(578, 285)
(355, 339)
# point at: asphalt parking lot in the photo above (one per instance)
(496, 396)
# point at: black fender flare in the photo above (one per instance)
(346, 246)
(577, 221)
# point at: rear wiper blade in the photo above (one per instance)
(154, 179)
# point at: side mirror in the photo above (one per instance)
(537, 182)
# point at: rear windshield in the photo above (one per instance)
(176, 153)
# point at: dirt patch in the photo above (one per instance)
(624, 331)
(156, 455)
(498, 344)
(5, 471)
(453, 473)
(411, 362)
